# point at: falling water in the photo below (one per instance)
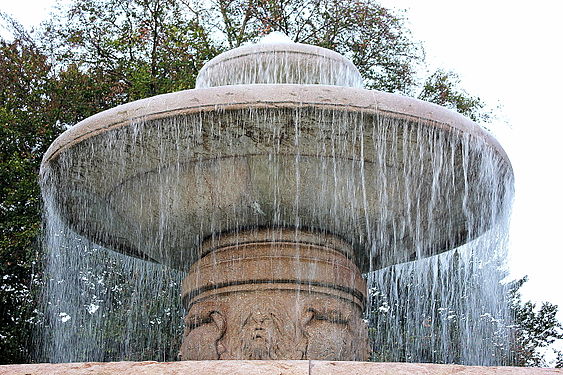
(103, 306)
(398, 189)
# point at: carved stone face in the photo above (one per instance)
(262, 334)
(274, 324)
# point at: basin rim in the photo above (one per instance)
(289, 47)
(275, 96)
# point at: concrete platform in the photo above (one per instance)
(265, 367)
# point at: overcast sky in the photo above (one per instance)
(506, 52)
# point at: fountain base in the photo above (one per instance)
(275, 294)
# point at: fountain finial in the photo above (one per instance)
(275, 37)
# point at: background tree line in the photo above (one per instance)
(95, 54)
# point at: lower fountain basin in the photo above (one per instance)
(397, 178)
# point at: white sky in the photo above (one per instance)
(509, 52)
(506, 52)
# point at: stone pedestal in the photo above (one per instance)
(275, 294)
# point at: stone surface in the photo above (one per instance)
(371, 368)
(262, 295)
(160, 368)
(264, 368)
(228, 98)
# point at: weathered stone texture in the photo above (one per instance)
(263, 296)
(371, 368)
(264, 367)
(163, 368)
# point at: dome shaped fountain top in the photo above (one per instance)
(395, 177)
(278, 63)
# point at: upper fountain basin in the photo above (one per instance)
(396, 177)
(267, 63)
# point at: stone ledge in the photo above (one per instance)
(265, 367)
(387, 368)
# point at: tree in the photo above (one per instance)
(132, 49)
(443, 88)
(141, 48)
(157, 46)
(536, 329)
(27, 127)
(373, 37)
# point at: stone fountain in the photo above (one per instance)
(277, 184)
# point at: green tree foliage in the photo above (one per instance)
(373, 37)
(132, 49)
(139, 48)
(536, 329)
(443, 88)
(27, 127)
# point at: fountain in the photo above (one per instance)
(277, 184)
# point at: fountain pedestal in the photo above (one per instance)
(275, 294)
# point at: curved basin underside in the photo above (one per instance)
(398, 178)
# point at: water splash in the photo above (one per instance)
(103, 306)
